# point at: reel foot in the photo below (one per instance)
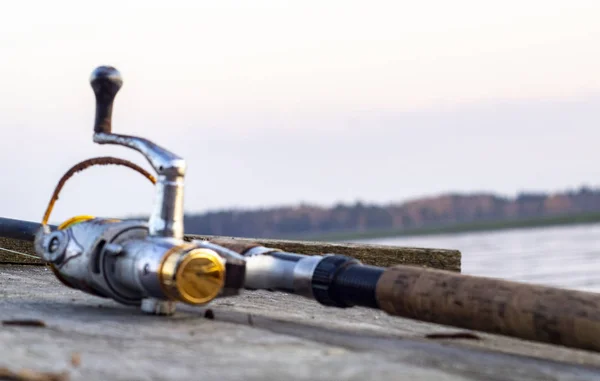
(153, 306)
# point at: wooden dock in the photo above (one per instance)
(258, 335)
(51, 332)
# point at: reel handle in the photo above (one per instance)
(106, 82)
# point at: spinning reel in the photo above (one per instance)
(136, 262)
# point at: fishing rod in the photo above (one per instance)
(148, 264)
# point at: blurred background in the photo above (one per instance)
(465, 125)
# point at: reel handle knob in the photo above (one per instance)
(106, 81)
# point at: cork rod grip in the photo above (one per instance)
(531, 312)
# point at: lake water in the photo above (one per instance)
(566, 256)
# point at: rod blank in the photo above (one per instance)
(18, 229)
(532, 312)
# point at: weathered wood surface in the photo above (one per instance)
(19, 246)
(254, 336)
(377, 255)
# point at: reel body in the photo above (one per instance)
(136, 262)
(118, 259)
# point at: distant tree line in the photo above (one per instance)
(442, 210)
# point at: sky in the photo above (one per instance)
(276, 102)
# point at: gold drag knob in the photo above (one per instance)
(194, 276)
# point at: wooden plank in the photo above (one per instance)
(20, 246)
(377, 255)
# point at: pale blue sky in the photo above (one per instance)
(274, 102)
